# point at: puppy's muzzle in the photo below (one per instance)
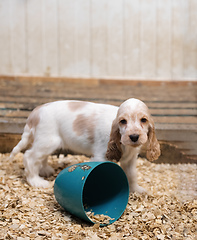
(134, 138)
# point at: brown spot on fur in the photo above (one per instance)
(34, 118)
(83, 124)
(74, 106)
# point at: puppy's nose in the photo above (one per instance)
(134, 137)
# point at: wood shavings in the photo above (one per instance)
(99, 218)
(169, 211)
(72, 168)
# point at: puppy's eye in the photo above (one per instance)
(123, 121)
(143, 120)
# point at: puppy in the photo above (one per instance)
(132, 128)
(102, 131)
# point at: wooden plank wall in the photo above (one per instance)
(140, 39)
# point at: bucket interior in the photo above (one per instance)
(105, 192)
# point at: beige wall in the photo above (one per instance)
(127, 39)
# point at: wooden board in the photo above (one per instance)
(153, 39)
(172, 105)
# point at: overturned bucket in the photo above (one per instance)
(97, 192)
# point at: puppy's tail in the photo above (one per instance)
(26, 139)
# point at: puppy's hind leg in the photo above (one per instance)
(33, 163)
(46, 170)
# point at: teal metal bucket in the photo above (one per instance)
(97, 192)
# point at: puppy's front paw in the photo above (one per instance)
(137, 189)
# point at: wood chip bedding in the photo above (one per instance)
(168, 211)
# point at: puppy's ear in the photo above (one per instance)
(114, 151)
(153, 146)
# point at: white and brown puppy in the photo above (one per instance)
(102, 131)
(132, 128)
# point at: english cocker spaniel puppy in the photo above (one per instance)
(102, 131)
(132, 128)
